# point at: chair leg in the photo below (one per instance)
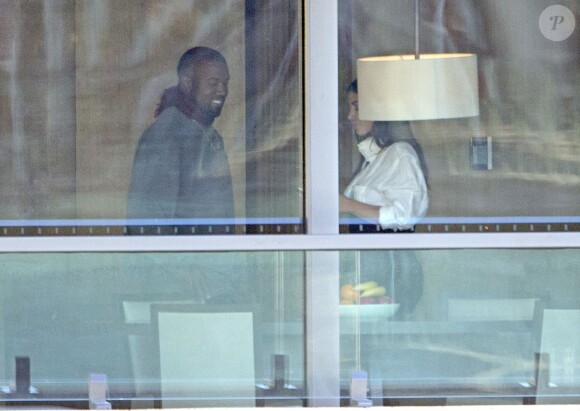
(541, 377)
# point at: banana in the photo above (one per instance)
(374, 292)
(365, 286)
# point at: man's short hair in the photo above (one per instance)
(195, 56)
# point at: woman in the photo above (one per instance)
(389, 188)
(390, 185)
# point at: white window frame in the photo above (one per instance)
(322, 241)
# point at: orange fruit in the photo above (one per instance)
(347, 293)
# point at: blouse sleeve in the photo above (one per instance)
(402, 188)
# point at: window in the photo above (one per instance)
(76, 314)
(512, 168)
(80, 90)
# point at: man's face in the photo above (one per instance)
(210, 89)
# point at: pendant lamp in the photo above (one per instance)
(417, 87)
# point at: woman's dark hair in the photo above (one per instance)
(386, 133)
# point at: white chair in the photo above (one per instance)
(558, 373)
(491, 309)
(142, 346)
(206, 355)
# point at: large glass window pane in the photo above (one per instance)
(435, 326)
(461, 326)
(82, 80)
(170, 329)
(514, 167)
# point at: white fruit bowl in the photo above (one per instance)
(366, 312)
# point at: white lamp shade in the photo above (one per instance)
(402, 88)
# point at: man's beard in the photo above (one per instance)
(210, 110)
(216, 111)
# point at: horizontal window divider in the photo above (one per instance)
(290, 242)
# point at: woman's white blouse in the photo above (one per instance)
(393, 180)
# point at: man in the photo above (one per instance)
(181, 169)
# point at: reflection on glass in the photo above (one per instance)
(77, 314)
(513, 168)
(70, 139)
(448, 326)
(462, 326)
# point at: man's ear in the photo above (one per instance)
(185, 84)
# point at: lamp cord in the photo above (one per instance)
(416, 29)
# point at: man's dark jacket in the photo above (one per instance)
(180, 171)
